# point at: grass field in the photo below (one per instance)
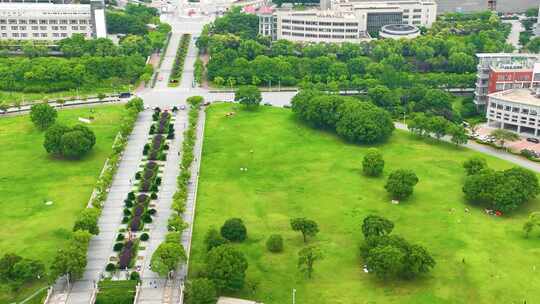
(30, 177)
(297, 171)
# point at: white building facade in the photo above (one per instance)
(47, 21)
(345, 21)
(517, 110)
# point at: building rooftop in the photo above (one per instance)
(522, 96)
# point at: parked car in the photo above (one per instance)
(533, 140)
(125, 95)
(206, 103)
(267, 104)
(182, 107)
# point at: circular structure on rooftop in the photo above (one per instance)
(397, 31)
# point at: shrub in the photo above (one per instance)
(153, 196)
(373, 163)
(125, 219)
(110, 267)
(147, 218)
(69, 142)
(120, 237)
(118, 246)
(43, 115)
(138, 175)
(152, 211)
(144, 237)
(131, 196)
(135, 276)
(275, 243)
(127, 212)
(136, 103)
(128, 203)
(234, 230)
(201, 291)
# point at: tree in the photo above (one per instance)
(460, 62)
(274, 243)
(249, 95)
(532, 221)
(136, 103)
(383, 97)
(386, 261)
(71, 259)
(176, 223)
(69, 142)
(503, 190)
(373, 163)
(400, 183)
(362, 122)
(307, 257)
(458, 134)
(16, 270)
(226, 267)
(438, 125)
(53, 138)
(213, 239)
(201, 291)
(234, 230)
(474, 165)
(88, 220)
(166, 257)
(43, 115)
(375, 225)
(306, 226)
(75, 144)
(502, 136)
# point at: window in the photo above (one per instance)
(36, 35)
(75, 28)
(53, 22)
(82, 28)
(43, 34)
(55, 34)
(3, 21)
(14, 28)
(55, 28)
(416, 16)
(12, 21)
(63, 22)
(3, 27)
(32, 21)
(22, 21)
(22, 28)
(34, 27)
(63, 34)
(515, 110)
(417, 10)
(525, 111)
(23, 35)
(73, 22)
(42, 21)
(15, 34)
(63, 28)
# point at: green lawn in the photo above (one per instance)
(116, 292)
(30, 177)
(297, 171)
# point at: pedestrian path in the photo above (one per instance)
(151, 292)
(100, 246)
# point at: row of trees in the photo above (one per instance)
(237, 53)
(356, 121)
(438, 126)
(49, 74)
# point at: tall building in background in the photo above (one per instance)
(344, 20)
(47, 21)
(503, 71)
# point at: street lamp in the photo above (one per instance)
(294, 296)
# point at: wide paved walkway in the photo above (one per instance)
(100, 246)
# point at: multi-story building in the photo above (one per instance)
(47, 21)
(345, 21)
(517, 110)
(502, 71)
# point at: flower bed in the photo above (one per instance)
(178, 67)
(129, 251)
